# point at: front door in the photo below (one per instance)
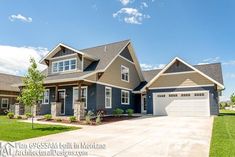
(143, 103)
(61, 94)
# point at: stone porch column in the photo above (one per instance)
(79, 111)
(55, 109)
(17, 109)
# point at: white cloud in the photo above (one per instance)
(15, 60)
(20, 18)
(151, 67)
(130, 15)
(143, 5)
(229, 62)
(125, 2)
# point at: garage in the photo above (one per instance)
(184, 104)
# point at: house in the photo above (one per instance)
(8, 93)
(109, 76)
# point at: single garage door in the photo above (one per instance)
(181, 104)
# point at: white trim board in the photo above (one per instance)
(208, 85)
(126, 59)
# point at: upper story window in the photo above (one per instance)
(124, 73)
(64, 65)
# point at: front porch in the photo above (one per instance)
(65, 99)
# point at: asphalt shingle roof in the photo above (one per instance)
(6, 81)
(105, 53)
(213, 70)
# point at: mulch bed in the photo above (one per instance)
(105, 120)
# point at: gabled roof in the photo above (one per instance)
(58, 48)
(108, 53)
(6, 81)
(213, 72)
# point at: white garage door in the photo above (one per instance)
(181, 104)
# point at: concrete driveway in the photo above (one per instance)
(149, 136)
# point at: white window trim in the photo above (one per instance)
(122, 66)
(110, 97)
(128, 103)
(46, 90)
(64, 71)
(83, 87)
(7, 102)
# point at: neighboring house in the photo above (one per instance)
(8, 93)
(109, 77)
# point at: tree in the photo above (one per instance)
(33, 89)
(232, 98)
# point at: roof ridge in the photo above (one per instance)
(151, 70)
(104, 45)
(207, 64)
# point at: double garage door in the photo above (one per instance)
(181, 104)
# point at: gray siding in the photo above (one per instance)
(95, 100)
(214, 106)
(178, 67)
(126, 54)
(63, 52)
(116, 99)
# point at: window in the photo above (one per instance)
(54, 67)
(46, 96)
(161, 95)
(5, 102)
(199, 94)
(108, 97)
(124, 73)
(73, 64)
(64, 65)
(125, 98)
(173, 95)
(83, 95)
(185, 95)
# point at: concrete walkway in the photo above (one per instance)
(150, 137)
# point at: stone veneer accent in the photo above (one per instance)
(55, 109)
(79, 111)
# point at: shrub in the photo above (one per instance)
(130, 112)
(19, 117)
(28, 115)
(59, 120)
(10, 115)
(48, 117)
(118, 112)
(72, 119)
(98, 118)
(88, 117)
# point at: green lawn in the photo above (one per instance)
(223, 136)
(13, 130)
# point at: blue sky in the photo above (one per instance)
(198, 31)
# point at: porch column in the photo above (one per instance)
(79, 111)
(56, 105)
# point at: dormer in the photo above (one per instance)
(64, 59)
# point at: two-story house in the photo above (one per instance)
(109, 77)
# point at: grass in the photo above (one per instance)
(13, 130)
(223, 135)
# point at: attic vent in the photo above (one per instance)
(105, 48)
